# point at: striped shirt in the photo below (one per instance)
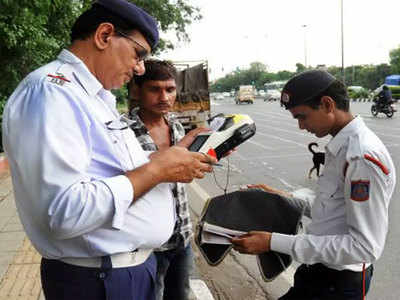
(183, 226)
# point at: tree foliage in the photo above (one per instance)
(367, 76)
(32, 32)
(395, 60)
(257, 75)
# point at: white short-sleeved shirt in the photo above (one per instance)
(350, 212)
(68, 152)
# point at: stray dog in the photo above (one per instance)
(318, 159)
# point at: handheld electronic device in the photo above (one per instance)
(228, 131)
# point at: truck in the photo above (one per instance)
(393, 82)
(246, 94)
(192, 105)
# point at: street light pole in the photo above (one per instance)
(305, 45)
(341, 17)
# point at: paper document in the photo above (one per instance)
(217, 123)
(213, 234)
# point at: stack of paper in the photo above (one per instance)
(213, 234)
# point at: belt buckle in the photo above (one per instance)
(133, 255)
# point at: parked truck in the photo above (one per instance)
(246, 94)
(192, 105)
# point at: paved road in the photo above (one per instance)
(278, 155)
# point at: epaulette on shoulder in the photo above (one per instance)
(377, 163)
(354, 150)
(57, 78)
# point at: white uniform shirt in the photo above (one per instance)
(67, 167)
(348, 227)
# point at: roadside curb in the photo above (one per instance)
(200, 290)
(198, 287)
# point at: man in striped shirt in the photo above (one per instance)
(152, 95)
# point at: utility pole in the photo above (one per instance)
(305, 45)
(343, 70)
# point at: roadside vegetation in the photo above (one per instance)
(367, 76)
(33, 32)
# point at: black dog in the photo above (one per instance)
(318, 159)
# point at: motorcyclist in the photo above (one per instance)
(384, 97)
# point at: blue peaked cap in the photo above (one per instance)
(135, 16)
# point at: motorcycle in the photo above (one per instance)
(388, 109)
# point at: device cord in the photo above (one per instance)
(224, 189)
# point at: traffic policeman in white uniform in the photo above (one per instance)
(350, 212)
(91, 201)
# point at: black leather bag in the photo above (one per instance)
(250, 210)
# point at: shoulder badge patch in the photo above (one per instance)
(57, 79)
(359, 190)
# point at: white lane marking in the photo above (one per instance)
(296, 133)
(240, 156)
(371, 123)
(274, 156)
(380, 134)
(392, 145)
(260, 145)
(285, 183)
(200, 290)
(282, 139)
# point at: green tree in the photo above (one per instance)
(300, 68)
(32, 32)
(371, 76)
(395, 60)
(284, 75)
(256, 75)
(258, 67)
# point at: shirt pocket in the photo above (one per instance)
(119, 149)
(328, 187)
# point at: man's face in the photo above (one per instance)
(122, 59)
(157, 96)
(318, 121)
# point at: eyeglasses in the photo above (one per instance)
(141, 53)
(121, 123)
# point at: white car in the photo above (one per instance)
(219, 97)
(272, 95)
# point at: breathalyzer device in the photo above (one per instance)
(228, 131)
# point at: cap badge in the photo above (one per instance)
(285, 97)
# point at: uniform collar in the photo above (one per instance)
(88, 81)
(341, 137)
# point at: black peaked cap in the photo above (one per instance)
(305, 86)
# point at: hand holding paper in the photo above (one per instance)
(254, 242)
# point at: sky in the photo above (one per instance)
(234, 33)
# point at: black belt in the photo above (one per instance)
(324, 275)
(347, 275)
